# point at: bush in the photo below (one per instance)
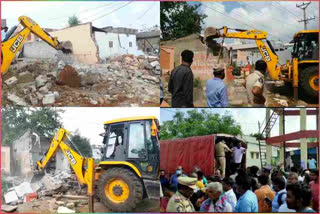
(197, 83)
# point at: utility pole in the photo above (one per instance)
(305, 19)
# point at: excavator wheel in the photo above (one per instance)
(309, 81)
(119, 189)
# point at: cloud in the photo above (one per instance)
(55, 14)
(278, 19)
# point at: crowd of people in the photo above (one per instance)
(181, 85)
(246, 190)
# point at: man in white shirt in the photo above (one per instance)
(238, 152)
(227, 184)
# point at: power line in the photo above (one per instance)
(305, 19)
(280, 22)
(147, 11)
(287, 10)
(88, 17)
(241, 21)
(62, 17)
(112, 11)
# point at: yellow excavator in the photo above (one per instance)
(303, 69)
(129, 167)
(13, 42)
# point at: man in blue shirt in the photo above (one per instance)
(248, 201)
(217, 95)
(3, 33)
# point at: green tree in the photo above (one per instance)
(16, 120)
(73, 21)
(179, 19)
(82, 143)
(198, 123)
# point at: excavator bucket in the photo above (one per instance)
(66, 47)
(37, 176)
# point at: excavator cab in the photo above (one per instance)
(306, 45)
(306, 55)
(129, 166)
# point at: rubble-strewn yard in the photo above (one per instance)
(237, 94)
(121, 81)
(56, 193)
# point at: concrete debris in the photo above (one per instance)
(62, 209)
(70, 205)
(16, 100)
(8, 208)
(46, 88)
(119, 81)
(25, 76)
(61, 65)
(154, 64)
(41, 81)
(49, 99)
(60, 203)
(11, 81)
(68, 76)
(23, 189)
(10, 197)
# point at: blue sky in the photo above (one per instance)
(248, 119)
(54, 14)
(279, 19)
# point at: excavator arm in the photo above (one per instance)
(11, 46)
(267, 52)
(83, 167)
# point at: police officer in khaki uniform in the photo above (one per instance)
(180, 202)
(220, 152)
(255, 84)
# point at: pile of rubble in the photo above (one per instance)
(52, 188)
(123, 81)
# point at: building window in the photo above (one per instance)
(110, 44)
(130, 44)
(257, 155)
(252, 155)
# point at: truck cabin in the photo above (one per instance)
(231, 141)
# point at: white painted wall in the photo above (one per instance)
(120, 44)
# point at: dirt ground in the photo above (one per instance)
(237, 94)
(48, 206)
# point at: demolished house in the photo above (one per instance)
(23, 184)
(105, 68)
(89, 45)
(29, 148)
(149, 41)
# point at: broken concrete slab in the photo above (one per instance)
(23, 189)
(25, 76)
(16, 100)
(151, 78)
(154, 64)
(8, 208)
(10, 197)
(61, 64)
(49, 99)
(41, 80)
(46, 88)
(70, 205)
(62, 209)
(60, 203)
(11, 81)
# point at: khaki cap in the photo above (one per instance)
(187, 181)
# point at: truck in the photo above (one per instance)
(196, 151)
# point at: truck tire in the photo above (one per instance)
(119, 189)
(309, 81)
